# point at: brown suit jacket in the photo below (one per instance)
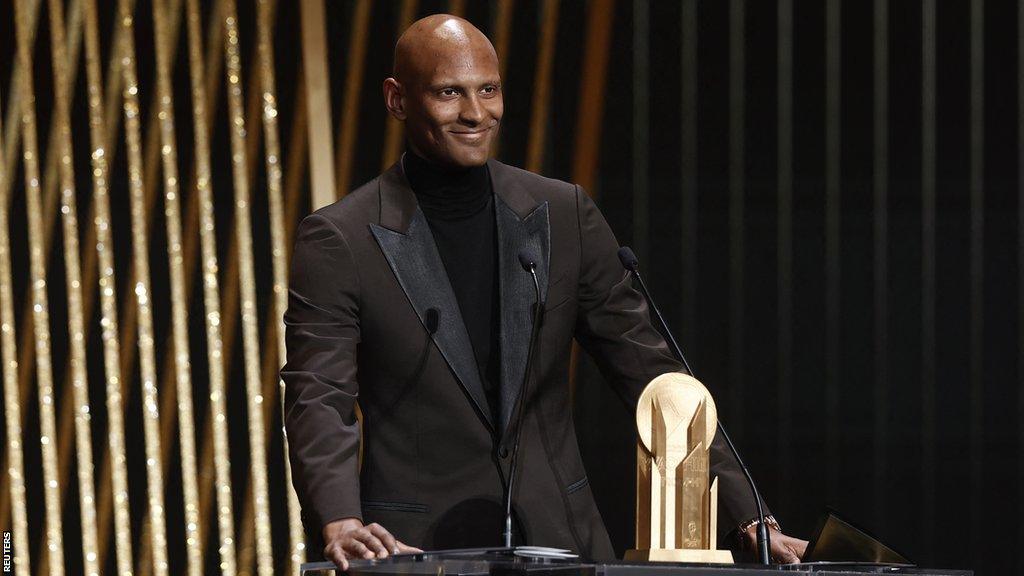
(372, 316)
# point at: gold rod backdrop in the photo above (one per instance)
(394, 130)
(15, 464)
(143, 291)
(542, 88)
(179, 311)
(14, 105)
(314, 62)
(353, 90)
(272, 149)
(243, 231)
(40, 305)
(211, 297)
(115, 464)
(72, 265)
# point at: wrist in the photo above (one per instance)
(749, 526)
(340, 526)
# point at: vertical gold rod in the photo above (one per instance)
(211, 295)
(12, 397)
(72, 265)
(353, 89)
(250, 336)
(108, 294)
(318, 93)
(502, 35)
(49, 184)
(8, 157)
(272, 149)
(179, 312)
(229, 304)
(40, 306)
(13, 135)
(395, 129)
(593, 80)
(140, 258)
(542, 88)
(588, 120)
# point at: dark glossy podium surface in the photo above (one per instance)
(504, 562)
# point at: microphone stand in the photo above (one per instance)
(530, 265)
(630, 263)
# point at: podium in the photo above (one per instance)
(517, 562)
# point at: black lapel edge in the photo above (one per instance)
(517, 295)
(433, 290)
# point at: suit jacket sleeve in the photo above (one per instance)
(614, 327)
(322, 332)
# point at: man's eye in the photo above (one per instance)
(449, 92)
(490, 89)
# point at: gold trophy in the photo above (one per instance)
(676, 501)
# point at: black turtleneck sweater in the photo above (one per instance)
(459, 206)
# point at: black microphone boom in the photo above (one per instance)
(630, 263)
(529, 263)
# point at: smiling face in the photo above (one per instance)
(447, 90)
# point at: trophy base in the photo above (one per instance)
(685, 555)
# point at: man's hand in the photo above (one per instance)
(348, 538)
(784, 549)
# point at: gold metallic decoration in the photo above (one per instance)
(40, 306)
(272, 147)
(502, 35)
(542, 88)
(108, 294)
(140, 258)
(356, 56)
(179, 304)
(12, 397)
(211, 293)
(395, 130)
(676, 503)
(13, 134)
(247, 285)
(597, 48)
(72, 265)
(318, 94)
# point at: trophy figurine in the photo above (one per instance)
(676, 501)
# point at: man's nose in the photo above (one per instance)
(472, 112)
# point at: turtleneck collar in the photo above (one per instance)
(447, 193)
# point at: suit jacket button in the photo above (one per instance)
(503, 452)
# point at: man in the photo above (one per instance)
(408, 294)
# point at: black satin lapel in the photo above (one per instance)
(517, 294)
(414, 259)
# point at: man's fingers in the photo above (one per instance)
(337, 555)
(405, 548)
(357, 549)
(375, 546)
(389, 542)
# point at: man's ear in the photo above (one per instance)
(393, 98)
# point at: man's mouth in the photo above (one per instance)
(473, 135)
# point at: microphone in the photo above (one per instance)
(631, 264)
(529, 264)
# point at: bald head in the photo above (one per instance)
(446, 88)
(435, 39)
